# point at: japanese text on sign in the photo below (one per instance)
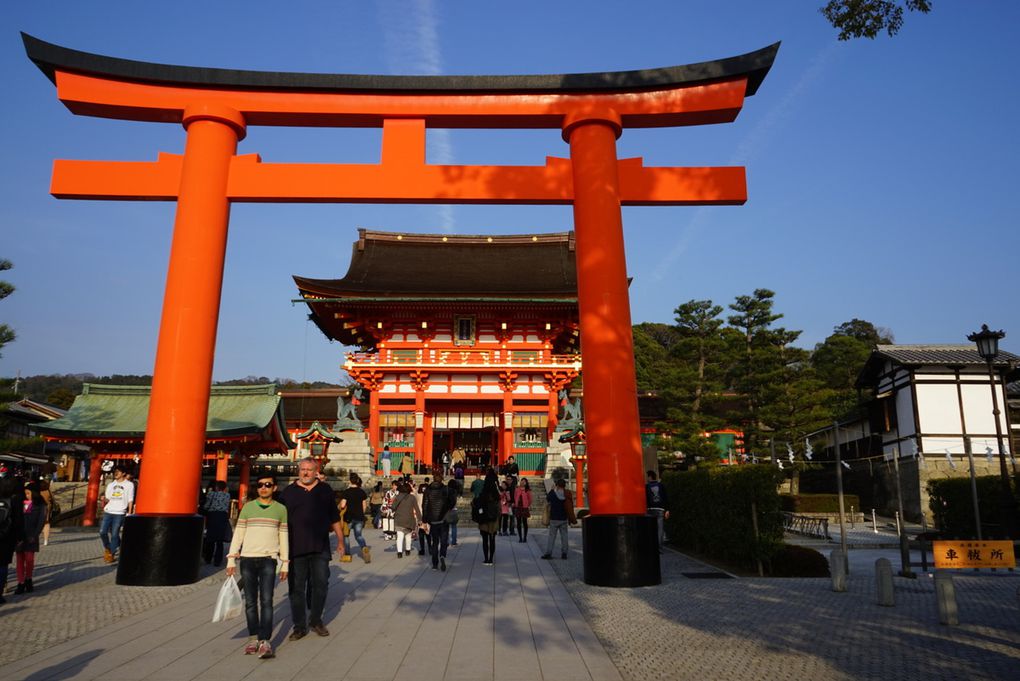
(974, 554)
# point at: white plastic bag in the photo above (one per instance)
(229, 604)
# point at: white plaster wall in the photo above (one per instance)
(437, 389)
(937, 446)
(464, 389)
(491, 389)
(977, 408)
(938, 408)
(404, 388)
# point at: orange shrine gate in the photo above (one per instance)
(216, 106)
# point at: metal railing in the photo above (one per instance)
(806, 525)
(440, 358)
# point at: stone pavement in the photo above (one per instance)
(752, 628)
(390, 619)
(523, 619)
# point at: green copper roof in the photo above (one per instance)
(323, 432)
(122, 411)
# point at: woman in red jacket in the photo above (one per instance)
(522, 509)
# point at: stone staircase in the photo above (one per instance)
(353, 454)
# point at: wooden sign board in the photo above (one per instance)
(974, 554)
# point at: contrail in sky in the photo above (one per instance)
(752, 145)
(411, 44)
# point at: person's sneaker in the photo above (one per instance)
(435, 567)
(563, 556)
(546, 556)
(320, 629)
(108, 555)
(346, 558)
(298, 633)
(399, 554)
(366, 553)
(19, 589)
(420, 552)
(265, 650)
(251, 647)
(442, 564)
(29, 588)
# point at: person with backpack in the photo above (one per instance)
(561, 512)
(658, 505)
(11, 526)
(435, 506)
(485, 510)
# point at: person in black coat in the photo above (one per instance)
(12, 528)
(34, 517)
(485, 511)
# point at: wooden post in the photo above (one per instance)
(92, 492)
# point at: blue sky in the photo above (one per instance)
(881, 174)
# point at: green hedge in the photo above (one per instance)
(952, 506)
(819, 503)
(798, 561)
(710, 511)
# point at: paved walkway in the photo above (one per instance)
(523, 619)
(391, 619)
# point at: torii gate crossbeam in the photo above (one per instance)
(217, 105)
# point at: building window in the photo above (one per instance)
(464, 331)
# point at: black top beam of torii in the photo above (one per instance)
(51, 58)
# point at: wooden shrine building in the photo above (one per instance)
(243, 422)
(465, 341)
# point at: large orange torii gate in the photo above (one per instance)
(216, 106)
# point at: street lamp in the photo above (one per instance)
(988, 347)
(578, 457)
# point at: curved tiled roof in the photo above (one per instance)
(957, 354)
(398, 265)
(121, 411)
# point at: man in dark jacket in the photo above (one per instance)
(561, 513)
(658, 504)
(311, 514)
(435, 504)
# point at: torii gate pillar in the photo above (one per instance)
(620, 545)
